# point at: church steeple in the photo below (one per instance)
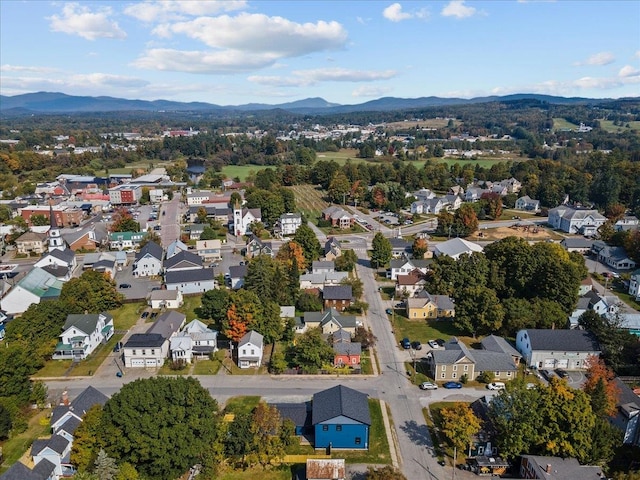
(56, 242)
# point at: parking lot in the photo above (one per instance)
(140, 287)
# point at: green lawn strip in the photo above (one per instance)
(207, 367)
(233, 369)
(127, 315)
(244, 404)
(282, 472)
(189, 306)
(16, 446)
(167, 370)
(422, 330)
(365, 363)
(438, 443)
(242, 171)
(378, 452)
(53, 368)
(563, 124)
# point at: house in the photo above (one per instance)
(410, 284)
(616, 257)
(473, 194)
(236, 276)
(400, 247)
(250, 349)
(456, 247)
(347, 354)
(242, 218)
(528, 204)
(634, 285)
(627, 417)
(169, 299)
(326, 469)
(298, 413)
(586, 285)
(550, 349)
(219, 212)
(424, 194)
(60, 263)
(403, 266)
(182, 261)
(209, 250)
(576, 244)
(194, 231)
(572, 220)
(148, 261)
(255, 246)
(428, 306)
(288, 223)
(329, 322)
(35, 286)
(429, 206)
(145, 350)
(104, 262)
(43, 470)
(456, 360)
(556, 468)
(66, 417)
(318, 281)
(341, 419)
(175, 248)
(337, 296)
(332, 249)
(323, 266)
(81, 335)
(190, 281)
(125, 240)
(56, 450)
(338, 217)
(628, 222)
(31, 243)
(85, 240)
(195, 339)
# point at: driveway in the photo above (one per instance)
(140, 286)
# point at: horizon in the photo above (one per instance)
(270, 52)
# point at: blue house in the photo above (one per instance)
(340, 418)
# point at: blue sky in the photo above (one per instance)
(347, 52)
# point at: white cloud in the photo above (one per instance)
(457, 9)
(370, 91)
(602, 58)
(305, 78)
(394, 13)
(224, 62)
(23, 68)
(79, 20)
(164, 11)
(628, 71)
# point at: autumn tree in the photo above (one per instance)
(307, 239)
(465, 220)
(244, 307)
(265, 424)
(88, 439)
(122, 221)
(365, 336)
(290, 250)
(493, 204)
(339, 187)
(420, 247)
(459, 425)
(601, 387)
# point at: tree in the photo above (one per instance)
(339, 187)
(106, 467)
(601, 387)
(384, 473)
(459, 425)
(215, 304)
(208, 233)
(357, 287)
(465, 220)
(88, 439)
(419, 247)
(39, 220)
(278, 362)
(478, 311)
(238, 441)
(309, 302)
(306, 238)
(365, 336)
(311, 351)
(92, 292)
(5, 422)
(266, 442)
(123, 222)
(290, 251)
(347, 261)
(611, 338)
(381, 251)
(150, 420)
(126, 471)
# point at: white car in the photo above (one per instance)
(496, 386)
(433, 344)
(428, 386)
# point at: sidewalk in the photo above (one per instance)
(391, 438)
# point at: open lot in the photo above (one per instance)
(529, 234)
(309, 200)
(243, 171)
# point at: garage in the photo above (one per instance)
(137, 362)
(549, 363)
(563, 363)
(150, 362)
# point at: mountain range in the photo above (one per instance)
(53, 102)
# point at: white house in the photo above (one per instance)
(288, 223)
(145, 350)
(572, 220)
(616, 257)
(209, 250)
(250, 349)
(82, 333)
(456, 247)
(66, 417)
(191, 281)
(37, 285)
(148, 261)
(59, 262)
(405, 265)
(554, 348)
(196, 339)
(628, 222)
(527, 203)
(170, 299)
(634, 285)
(56, 450)
(175, 248)
(242, 218)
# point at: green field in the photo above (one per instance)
(309, 200)
(562, 124)
(609, 127)
(243, 171)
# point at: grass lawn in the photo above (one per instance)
(233, 369)
(53, 368)
(243, 171)
(16, 446)
(365, 363)
(563, 124)
(422, 330)
(127, 315)
(207, 367)
(166, 370)
(378, 446)
(238, 405)
(189, 306)
(608, 126)
(275, 473)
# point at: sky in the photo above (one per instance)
(347, 52)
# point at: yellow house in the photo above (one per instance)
(427, 306)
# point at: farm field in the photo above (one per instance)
(609, 127)
(563, 124)
(242, 171)
(309, 200)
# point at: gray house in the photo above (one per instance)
(552, 348)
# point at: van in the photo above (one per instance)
(496, 386)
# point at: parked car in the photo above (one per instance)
(428, 386)
(561, 373)
(388, 311)
(124, 285)
(496, 386)
(433, 344)
(440, 342)
(406, 344)
(144, 314)
(154, 314)
(416, 345)
(452, 385)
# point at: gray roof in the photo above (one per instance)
(576, 242)
(238, 271)
(182, 256)
(252, 337)
(70, 425)
(340, 401)
(298, 413)
(89, 397)
(18, 471)
(188, 276)
(85, 322)
(400, 244)
(486, 361)
(494, 343)
(151, 248)
(163, 295)
(57, 443)
(456, 247)
(341, 336)
(337, 292)
(323, 264)
(67, 255)
(348, 348)
(140, 340)
(562, 340)
(167, 323)
(563, 468)
(331, 315)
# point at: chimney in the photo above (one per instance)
(65, 398)
(548, 469)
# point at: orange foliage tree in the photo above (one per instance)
(600, 386)
(236, 326)
(288, 252)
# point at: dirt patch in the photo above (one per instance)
(528, 233)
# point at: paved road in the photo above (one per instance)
(170, 218)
